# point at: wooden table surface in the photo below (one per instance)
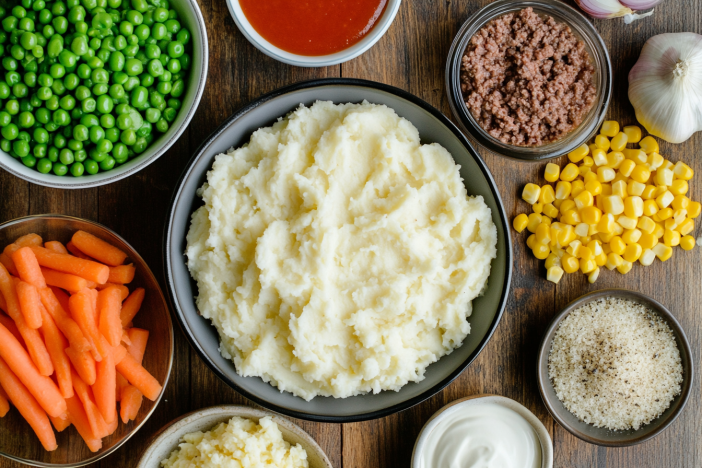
(411, 56)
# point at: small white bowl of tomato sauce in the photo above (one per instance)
(313, 33)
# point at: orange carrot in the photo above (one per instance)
(81, 306)
(125, 337)
(121, 383)
(139, 377)
(98, 249)
(130, 403)
(56, 344)
(122, 274)
(85, 394)
(105, 387)
(112, 427)
(75, 251)
(123, 289)
(52, 302)
(26, 403)
(55, 246)
(10, 325)
(30, 304)
(28, 267)
(4, 403)
(84, 364)
(62, 297)
(65, 281)
(60, 423)
(93, 294)
(7, 262)
(80, 420)
(33, 341)
(87, 269)
(139, 338)
(109, 305)
(28, 239)
(131, 306)
(3, 304)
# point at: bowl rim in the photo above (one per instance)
(249, 32)
(324, 82)
(551, 150)
(135, 429)
(234, 410)
(544, 380)
(523, 411)
(70, 183)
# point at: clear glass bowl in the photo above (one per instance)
(582, 28)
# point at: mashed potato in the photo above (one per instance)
(241, 443)
(336, 255)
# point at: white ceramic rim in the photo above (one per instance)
(10, 164)
(381, 26)
(541, 432)
(231, 410)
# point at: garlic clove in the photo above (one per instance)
(665, 86)
(603, 9)
(638, 5)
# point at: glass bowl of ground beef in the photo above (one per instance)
(529, 79)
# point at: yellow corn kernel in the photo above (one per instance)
(694, 209)
(618, 177)
(587, 161)
(589, 177)
(585, 240)
(626, 167)
(567, 205)
(554, 274)
(686, 227)
(547, 194)
(679, 187)
(583, 170)
(683, 171)
(584, 199)
(618, 229)
(592, 229)
(609, 128)
(552, 172)
(633, 133)
(605, 237)
(606, 249)
(613, 261)
(571, 217)
(594, 274)
(659, 230)
(579, 153)
(670, 223)
(570, 172)
(631, 236)
(606, 190)
(557, 203)
(605, 174)
(671, 238)
(601, 259)
(541, 251)
(550, 210)
(595, 246)
(586, 266)
(649, 145)
(563, 190)
(626, 222)
(647, 241)
(641, 174)
(646, 224)
(537, 207)
(552, 260)
(520, 222)
(634, 207)
(594, 187)
(663, 252)
(655, 161)
(634, 188)
(668, 165)
(567, 235)
(585, 253)
(680, 202)
(606, 224)
(687, 243)
(664, 177)
(574, 248)
(625, 267)
(599, 157)
(647, 257)
(664, 200)
(531, 193)
(534, 220)
(613, 204)
(632, 252)
(664, 214)
(636, 155)
(619, 188)
(615, 159)
(546, 220)
(650, 207)
(555, 232)
(617, 245)
(582, 229)
(591, 215)
(543, 233)
(602, 142)
(531, 241)
(648, 192)
(576, 188)
(570, 263)
(619, 141)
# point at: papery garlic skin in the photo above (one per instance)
(665, 86)
(603, 9)
(640, 4)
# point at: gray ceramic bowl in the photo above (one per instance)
(598, 435)
(433, 127)
(190, 16)
(167, 440)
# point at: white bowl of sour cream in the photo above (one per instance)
(483, 431)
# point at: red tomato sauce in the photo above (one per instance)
(313, 27)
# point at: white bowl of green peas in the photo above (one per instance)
(92, 91)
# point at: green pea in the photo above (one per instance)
(44, 166)
(4, 90)
(160, 15)
(146, 80)
(131, 83)
(134, 16)
(10, 64)
(67, 102)
(77, 169)
(60, 169)
(104, 145)
(105, 104)
(100, 88)
(9, 132)
(44, 93)
(107, 164)
(102, 21)
(25, 105)
(38, 52)
(12, 78)
(100, 75)
(144, 130)
(40, 135)
(183, 36)
(142, 32)
(178, 89)
(60, 24)
(164, 87)
(95, 62)
(21, 148)
(112, 134)
(108, 43)
(61, 117)
(68, 58)
(159, 31)
(126, 28)
(58, 88)
(91, 167)
(71, 81)
(17, 52)
(5, 119)
(26, 120)
(174, 66)
(139, 97)
(81, 132)
(51, 127)
(42, 115)
(52, 154)
(117, 91)
(76, 113)
(12, 107)
(30, 79)
(66, 156)
(120, 42)
(58, 8)
(5, 145)
(76, 14)
(20, 90)
(9, 23)
(88, 105)
(28, 40)
(82, 92)
(124, 121)
(45, 17)
(79, 46)
(128, 137)
(131, 50)
(29, 161)
(57, 70)
(152, 115)
(60, 141)
(26, 24)
(96, 133)
(95, 43)
(75, 145)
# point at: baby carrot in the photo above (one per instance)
(98, 248)
(56, 344)
(10, 325)
(28, 267)
(79, 419)
(131, 306)
(28, 239)
(105, 387)
(87, 269)
(60, 423)
(83, 364)
(122, 288)
(27, 405)
(52, 302)
(112, 427)
(82, 311)
(121, 383)
(3, 304)
(95, 419)
(109, 305)
(56, 246)
(130, 403)
(65, 281)
(139, 338)
(139, 377)
(122, 274)
(30, 302)
(75, 251)
(7, 262)
(4, 403)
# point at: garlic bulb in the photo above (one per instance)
(605, 9)
(665, 86)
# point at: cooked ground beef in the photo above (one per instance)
(527, 80)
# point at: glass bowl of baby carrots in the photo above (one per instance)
(86, 341)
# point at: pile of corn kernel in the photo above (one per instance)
(611, 207)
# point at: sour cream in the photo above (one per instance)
(481, 435)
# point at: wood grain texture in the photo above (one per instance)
(410, 56)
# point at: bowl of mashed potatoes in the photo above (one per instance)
(337, 251)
